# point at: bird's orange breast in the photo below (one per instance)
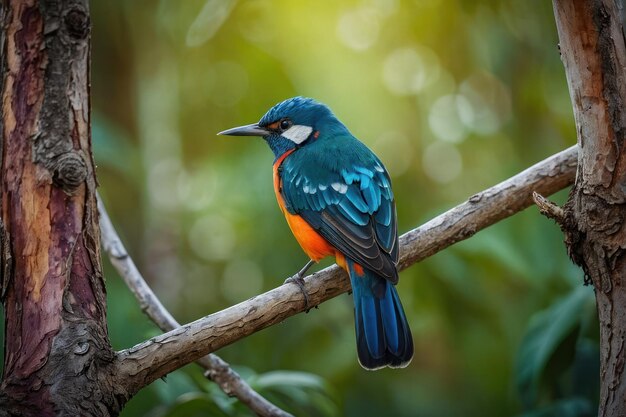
(314, 245)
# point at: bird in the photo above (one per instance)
(336, 196)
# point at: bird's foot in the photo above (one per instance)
(299, 281)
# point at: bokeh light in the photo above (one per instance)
(442, 162)
(489, 100)
(396, 150)
(408, 70)
(212, 237)
(358, 28)
(445, 118)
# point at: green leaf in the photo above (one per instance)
(305, 393)
(570, 407)
(194, 405)
(173, 386)
(209, 20)
(549, 345)
(277, 379)
(586, 370)
(224, 402)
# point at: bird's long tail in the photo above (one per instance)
(383, 336)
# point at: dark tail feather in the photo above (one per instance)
(383, 336)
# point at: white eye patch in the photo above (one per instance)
(297, 133)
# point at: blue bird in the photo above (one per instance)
(336, 196)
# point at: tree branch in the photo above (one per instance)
(549, 209)
(217, 369)
(147, 361)
(488, 207)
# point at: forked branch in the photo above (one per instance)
(217, 369)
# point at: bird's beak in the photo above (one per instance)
(248, 130)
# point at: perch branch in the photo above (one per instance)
(549, 209)
(162, 354)
(217, 369)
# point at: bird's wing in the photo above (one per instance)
(353, 209)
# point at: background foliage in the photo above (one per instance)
(454, 96)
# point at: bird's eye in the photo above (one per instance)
(285, 124)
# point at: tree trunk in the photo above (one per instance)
(591, 36)
(57, 350)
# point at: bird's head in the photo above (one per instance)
(293, 123)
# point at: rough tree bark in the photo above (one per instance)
(592, 43)
(57, 349)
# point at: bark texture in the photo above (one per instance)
(57, 353)
(591, 35)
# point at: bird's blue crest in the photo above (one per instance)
(304, 112)
(301, 110)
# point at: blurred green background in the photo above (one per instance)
(453, 95)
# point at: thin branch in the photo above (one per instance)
(162, 354)
(217, 369)
(549, 209)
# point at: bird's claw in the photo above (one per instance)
(299, 281)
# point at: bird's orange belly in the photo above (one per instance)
(314, 245)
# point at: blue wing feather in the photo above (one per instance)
(347, 199)
(356, 198)
(329, 197)
(382, 331)
(383, 216)
(348, 209)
